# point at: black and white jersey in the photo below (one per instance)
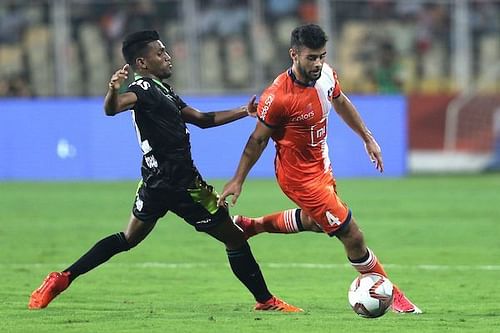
(162, 134)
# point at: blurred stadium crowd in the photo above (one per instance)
(70, 47)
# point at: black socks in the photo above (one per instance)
(100, 253)
(248, 272)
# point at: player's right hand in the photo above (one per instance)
(375, 153)
(118, 77)
(233, 188)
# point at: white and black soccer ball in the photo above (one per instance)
(370, 295)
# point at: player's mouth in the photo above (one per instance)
(315, 73)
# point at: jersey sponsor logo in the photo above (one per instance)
(267, 104)
(151, 161)
(141, 83)
(303, 117)
(308, 113)
(318, 133)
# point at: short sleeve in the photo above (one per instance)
(270, 110)
(145, 93)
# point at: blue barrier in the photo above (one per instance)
(72, 139)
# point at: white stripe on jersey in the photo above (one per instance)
(323, 86)
(145, 146)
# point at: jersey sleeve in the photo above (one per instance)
(336, 88)
(145, 92)
(270, 110)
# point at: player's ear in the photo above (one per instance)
(140, 63)
(293, 53)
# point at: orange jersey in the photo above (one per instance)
(299, 113)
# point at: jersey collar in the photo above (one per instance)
(295, 80)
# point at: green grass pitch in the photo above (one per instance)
(439, 238)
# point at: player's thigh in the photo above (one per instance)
(150, 204)
(197, 205)
(320, 202)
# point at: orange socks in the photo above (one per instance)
(368, 264)
(284, 222)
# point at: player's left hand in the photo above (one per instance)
(251, 107)
(375, 153)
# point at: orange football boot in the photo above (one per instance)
(275, 304)
(246, 224)
(401, 304)
(52, 286)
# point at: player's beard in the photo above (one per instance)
(166, 74)
(307, 75)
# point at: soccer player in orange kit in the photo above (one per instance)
(293, 111)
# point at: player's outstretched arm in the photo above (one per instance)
(256, 144)
(347, 111)
(217, 118)
(113, 102)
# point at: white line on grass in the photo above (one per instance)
(167, 265)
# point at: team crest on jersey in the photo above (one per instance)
(170, 96)
(330, 93)
(139, 204)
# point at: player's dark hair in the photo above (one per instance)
(135, 44)
(309, 35)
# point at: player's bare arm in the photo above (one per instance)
(217, 118)
(256, 144)
(347, 111)
(113, 102)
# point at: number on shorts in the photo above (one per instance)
(332, 219)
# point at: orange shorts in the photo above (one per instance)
(319, 200)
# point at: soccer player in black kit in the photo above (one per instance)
(170, 180)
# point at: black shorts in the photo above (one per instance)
(197, 204)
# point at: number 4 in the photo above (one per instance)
(332, 219)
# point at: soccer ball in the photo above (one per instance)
(370, 295)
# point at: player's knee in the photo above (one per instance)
(131, 241)
(358, 239)
(308, 223)
(352, 236)
(134, 237)
(235, 244)
(234, 240)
